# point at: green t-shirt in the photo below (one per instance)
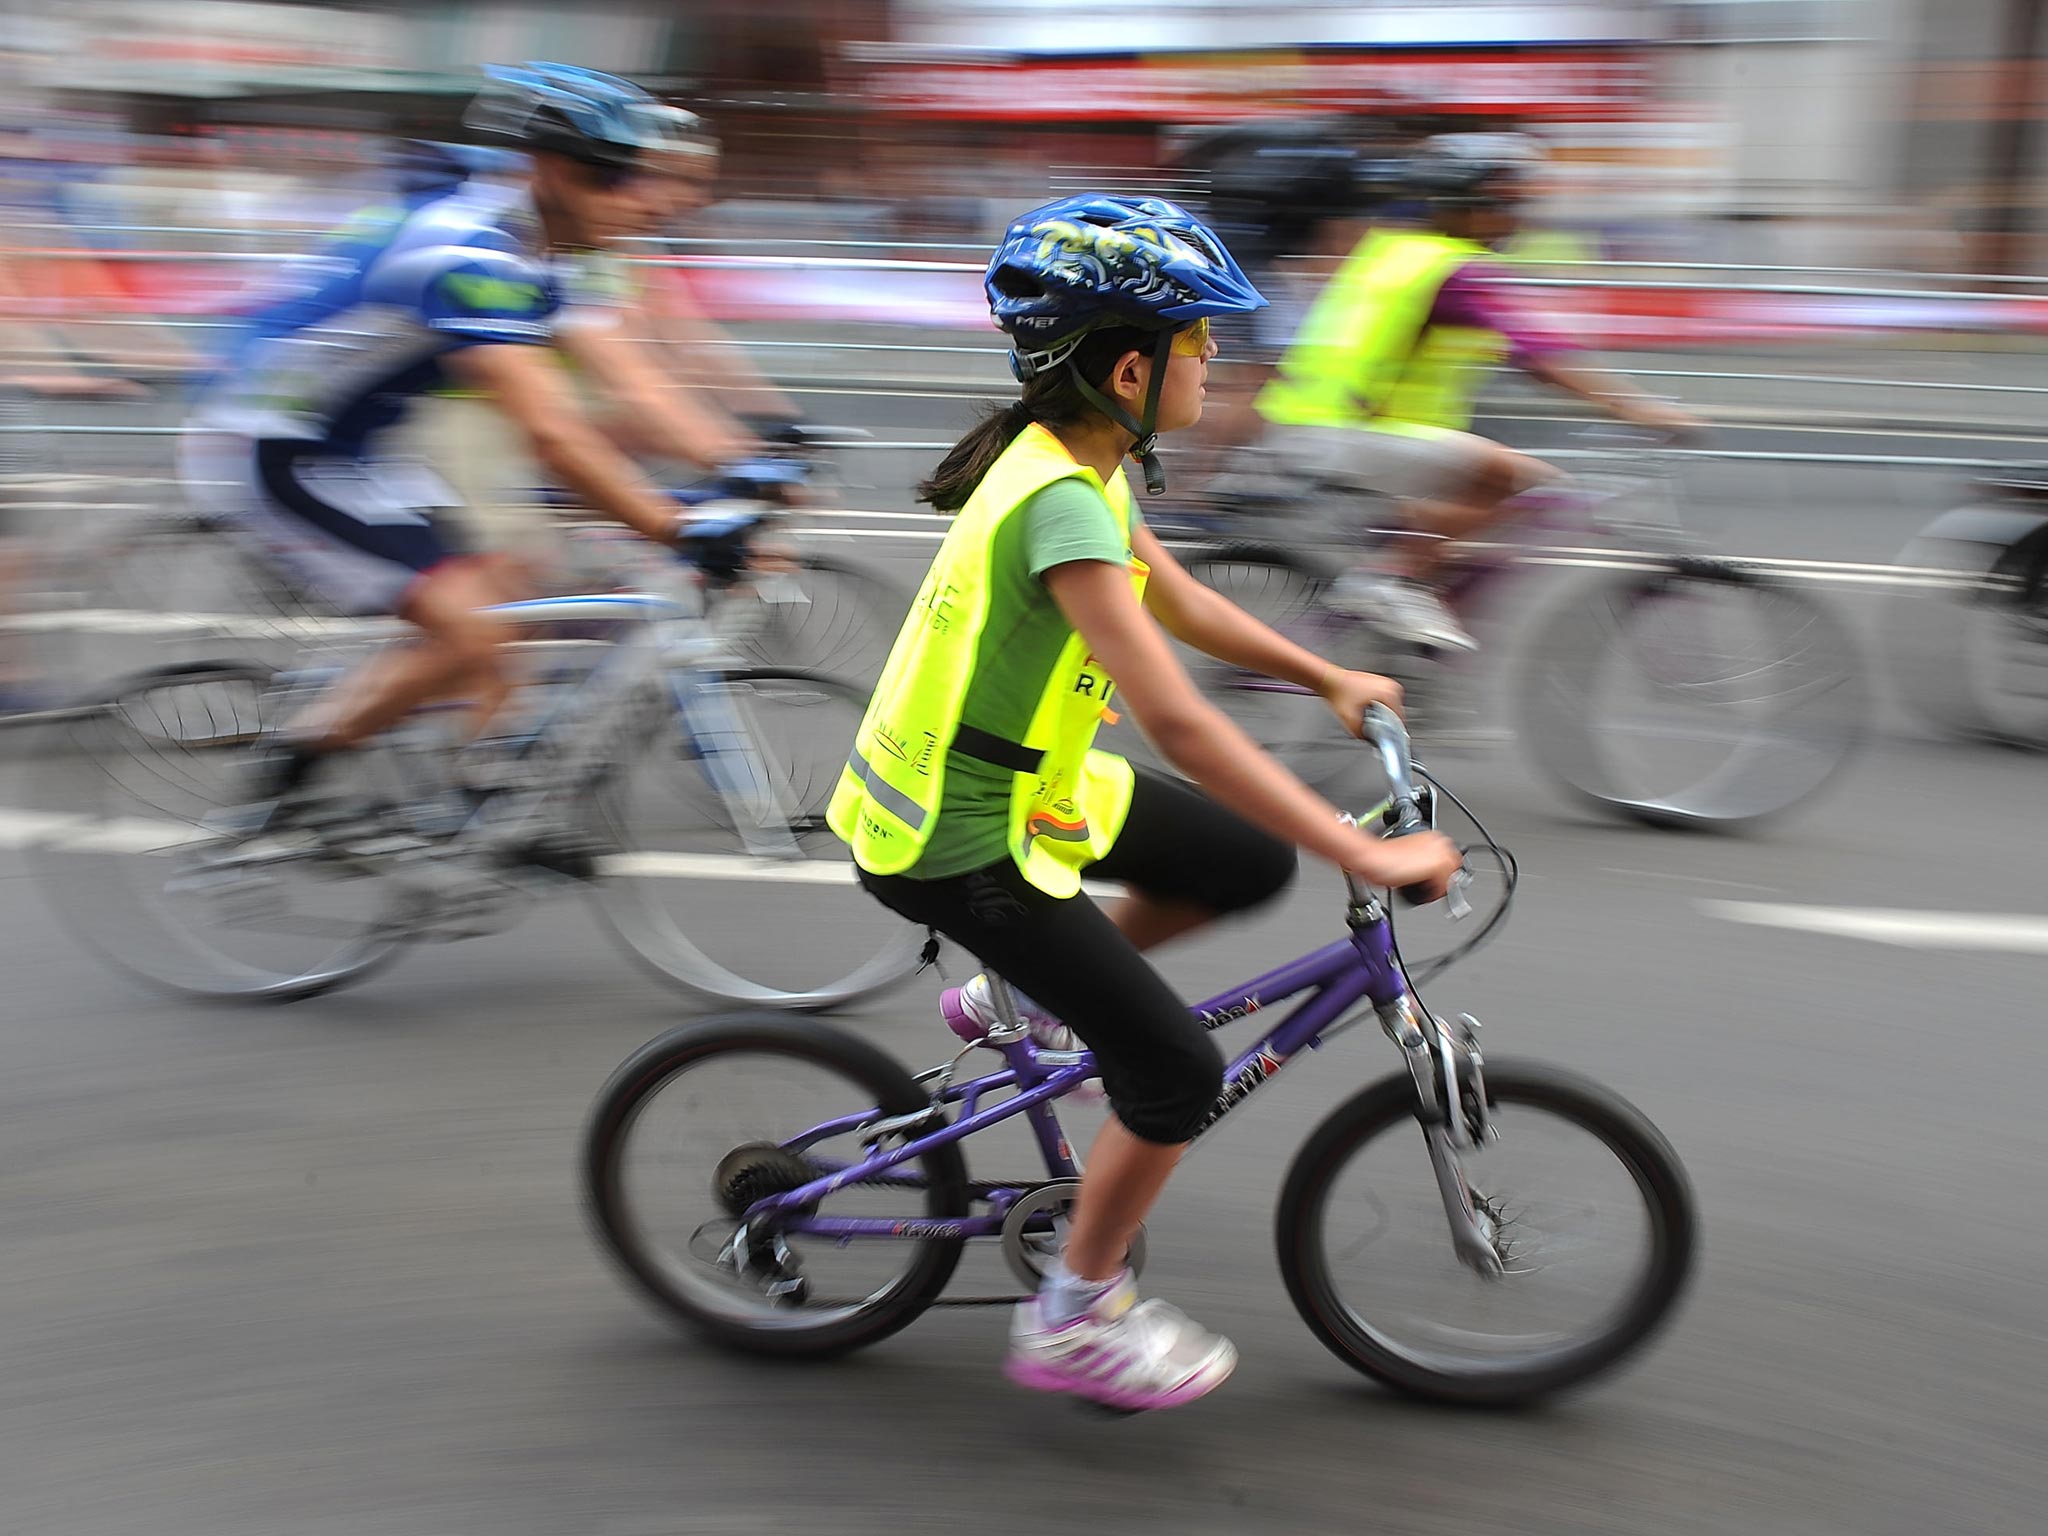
(1067, 520)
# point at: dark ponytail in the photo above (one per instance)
(1052, 398)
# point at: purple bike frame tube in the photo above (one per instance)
(1314, 970)
(1346, 970)
(1052, 1141)
(956, 1093)
(1055, 1084)
(1345, 980)
(942, 1227)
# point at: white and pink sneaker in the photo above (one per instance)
(970, 1012)
(1120, 1352)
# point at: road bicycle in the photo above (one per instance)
(1667, 686)
(1468, 1230)
(637, 760)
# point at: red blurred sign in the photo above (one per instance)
(1579, 86)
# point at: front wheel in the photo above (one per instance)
(1698, 695)
(815, 612)
(1586, 1203)
(726, 881)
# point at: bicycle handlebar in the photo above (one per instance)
(1411, 807)
(1406, 809)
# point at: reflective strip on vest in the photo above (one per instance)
(882, 792)
(1366, 350)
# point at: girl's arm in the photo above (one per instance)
(1214, 625)
(1206, 745)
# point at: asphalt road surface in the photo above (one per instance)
(322, 1269)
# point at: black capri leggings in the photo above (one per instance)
(1160, 1069)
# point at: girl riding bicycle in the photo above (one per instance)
(974, 802)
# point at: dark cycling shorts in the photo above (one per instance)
(1159, 1067)
(354, 532)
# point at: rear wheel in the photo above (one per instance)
(145, 869)
(1286, 592)
(713, 1117)
(156, 587)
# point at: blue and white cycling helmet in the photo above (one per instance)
(1084, 262)
(589, 116)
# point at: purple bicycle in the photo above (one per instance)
(785, 1187)
(1670, 687)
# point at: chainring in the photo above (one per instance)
(1030, 1254)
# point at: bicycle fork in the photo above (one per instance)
(737, 763)
(1450, 1090)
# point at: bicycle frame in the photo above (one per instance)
(1578, 506)
(1363, 968)
(586, 726)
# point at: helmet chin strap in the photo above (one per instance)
(1146, 430)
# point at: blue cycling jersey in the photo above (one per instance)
(358, 331)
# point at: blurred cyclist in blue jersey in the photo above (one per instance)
(290, 440)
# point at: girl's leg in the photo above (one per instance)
(1186, 860)
(1124, 1178)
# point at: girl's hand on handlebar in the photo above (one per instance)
(1351, 694)
(1421, 863)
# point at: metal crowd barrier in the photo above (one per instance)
(952, 371)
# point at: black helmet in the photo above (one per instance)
(1472, 169)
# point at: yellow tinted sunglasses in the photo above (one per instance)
(1193, 341)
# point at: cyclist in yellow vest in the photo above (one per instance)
(1376, 392)
(974, 802)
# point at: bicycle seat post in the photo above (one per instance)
(1008, 1027)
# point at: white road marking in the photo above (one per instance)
(129, 834)
(719, 866)
(1982, 931)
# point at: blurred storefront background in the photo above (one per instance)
(146, 146)
(1881, 132)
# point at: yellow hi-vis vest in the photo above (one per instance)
(1366, 354)
(1067, 801)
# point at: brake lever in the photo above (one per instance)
(1454, 896)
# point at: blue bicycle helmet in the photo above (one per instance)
(1094, 260)
(591, 117)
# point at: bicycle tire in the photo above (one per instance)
(107, 918)
(850, 620)
(1972, 658)
(894, 1092)
(174, 582)
(1285, 590)
(1641, 1148)
(1768, 772)
(629, 907)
